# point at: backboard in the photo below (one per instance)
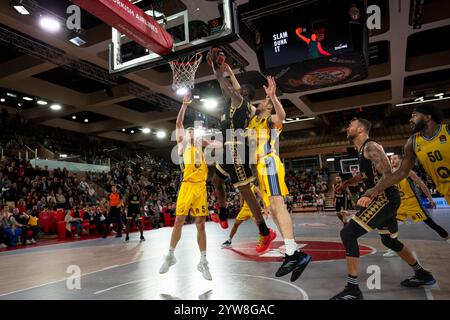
(195, 25)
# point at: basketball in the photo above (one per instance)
(216, 55)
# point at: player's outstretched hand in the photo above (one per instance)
(225, 68)
(271, 88)
(187, 100)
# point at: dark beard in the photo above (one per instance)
(418, 127)
(351, 139)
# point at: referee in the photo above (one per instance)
(115, 203)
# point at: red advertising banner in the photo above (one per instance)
(132, 21)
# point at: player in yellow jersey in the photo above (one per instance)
(411, 206)
(430, 144)
(263, 130)
(245, 214)
(192, 195)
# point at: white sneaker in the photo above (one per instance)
(28, 242)
(204, 269)
(33, 241)
(226, 244)
(169, 261)
(2, 246)
(390, 253)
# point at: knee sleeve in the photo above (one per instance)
(349, 236)
(391, 243)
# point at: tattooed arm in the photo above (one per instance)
(375, 153)
(386, 181)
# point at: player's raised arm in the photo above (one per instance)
(227, 88)
(235, 83)
(415, 178)
(180, 119)
(271, 91)
(298, 31)
(391, 179)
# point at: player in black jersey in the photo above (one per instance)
(340, 198)
(236, 163)
(380, 214)
(134, 202)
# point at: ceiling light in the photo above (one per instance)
(123, 130)
(2, 100)
(439, 95)
(86, 120)
(74, 117)
(55, 107)
(132, 131)
(419, 99)
(27, 98)
(19, 104)
(49, 24)
(161, 134)
(210, 104)
(389, 154)
(146, 130)
(19, 7)
(182, 91)
(289, 120)
(416, 102)
(12, 95)
(42, 102)
(330, 159)
(63, 155)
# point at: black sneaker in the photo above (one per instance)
(348, 294)
(127, 238)
(142, 238)
(295, 264)
(424, 278)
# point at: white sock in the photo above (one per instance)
(171, 251)
(229, 239)
(291, 246)
(203, 256)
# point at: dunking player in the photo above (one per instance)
(411, 204)
(264, 129)
(379, 214)
(192, 195)
(244, 214)
(134, 203)
(430, 143)
(340, 198)
(235, 164)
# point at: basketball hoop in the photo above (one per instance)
(184, 70)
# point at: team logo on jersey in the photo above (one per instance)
(443, 139)
(443, 172)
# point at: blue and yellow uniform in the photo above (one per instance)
(245, 213)
(410, 205)
(434, 155)
(192, 194)
(268, 164)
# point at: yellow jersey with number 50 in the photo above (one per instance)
(434, 155)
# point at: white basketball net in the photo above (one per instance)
(184, 71)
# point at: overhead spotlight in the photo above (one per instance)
(76, 38)
(439, 95)
(389, 154)
(210, 103)
(12, 95)
(55, 107)
(330, 159)
(2, 100)
(63, 155)
(182, 91)
(42, 102)
(27, 99)
(86, 120)
(146, 130)
(161, 134)
(74, 117)
(19, 104)
(50, 24)
(123, 130)
(132, 131)
(19, 7)
(419, 99)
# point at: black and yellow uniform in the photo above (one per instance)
(434, 155)
(134, 205)
(235, 162)
(381, 213)
(341, 198)
(270, 169)
(192, 193)
(410, 206)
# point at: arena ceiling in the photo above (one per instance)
(404, 63)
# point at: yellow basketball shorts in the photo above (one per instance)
(413, 209)
(271, 176)
(192, 196)
(245, 213)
